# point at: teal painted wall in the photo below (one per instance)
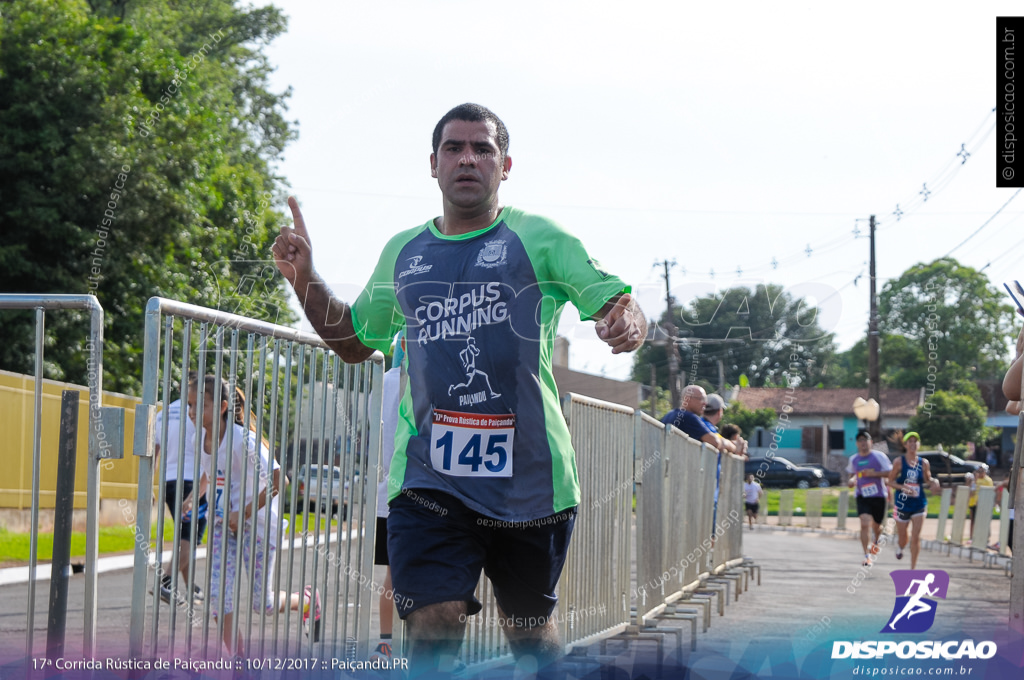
(850, 427)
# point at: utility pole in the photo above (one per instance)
(654, 392)
(874, 386)
(670, 331)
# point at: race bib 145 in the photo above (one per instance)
(472, 444)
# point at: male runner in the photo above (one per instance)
(868, 471)
(485, 452)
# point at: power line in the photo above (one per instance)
(986, 223)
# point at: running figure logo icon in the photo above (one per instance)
(914, 611)
(468, 357)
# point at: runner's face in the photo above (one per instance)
(864, 445)
(912, 446)
(468, 165)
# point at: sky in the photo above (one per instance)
(745, 141)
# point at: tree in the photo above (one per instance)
(949, 419)
(765, 334)
(137, 143)
(662, 404)
(952, 314)
(742, 417)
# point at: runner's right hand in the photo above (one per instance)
(293, 252)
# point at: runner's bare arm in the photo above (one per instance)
(621, 324)
(897, 465)
(1011, 381)
(330, 317)
(932, 483)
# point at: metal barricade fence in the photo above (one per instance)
(653, 545)
(729, 523)
(963, 494)
(944, 503)
(683, 516)
(678, 539)
(812, 512)
(305, 411)
(982, 523)
(97, 421)
(786, 500)
(595, 587)
(706, 525)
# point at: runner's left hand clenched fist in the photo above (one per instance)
(623, 326)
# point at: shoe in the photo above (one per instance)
(867, 561)
(383, 652)
(165, 588)
(197, 593)
(311, 612)
(899, 552)
(874, 549)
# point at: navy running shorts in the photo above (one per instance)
(437, 547)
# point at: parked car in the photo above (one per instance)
(831, 477)
(947, 468)
(780, 472)
(317, 484)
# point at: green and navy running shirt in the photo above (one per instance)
(480, 418)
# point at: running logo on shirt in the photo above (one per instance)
(914, 611)
(480, 392)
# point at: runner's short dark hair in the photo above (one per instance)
(473, 113)
(863, 434)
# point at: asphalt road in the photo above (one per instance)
(813, 591)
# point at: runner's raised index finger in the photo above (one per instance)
(300, 224)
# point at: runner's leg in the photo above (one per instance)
(435, 634)
(916, 523)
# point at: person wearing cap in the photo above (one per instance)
(689, 418)
(714, 410)
(908, 478)
(981, 478)
(869, 470)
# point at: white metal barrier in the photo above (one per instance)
(98, 425)
(983, 517)
(655, 544)
(731, 511)
(786, 500)
(311, 411)
(595, 587)
(959, 515)
(679, 539)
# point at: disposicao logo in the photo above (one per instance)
(914, 611)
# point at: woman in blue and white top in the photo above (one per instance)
(908, 479)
